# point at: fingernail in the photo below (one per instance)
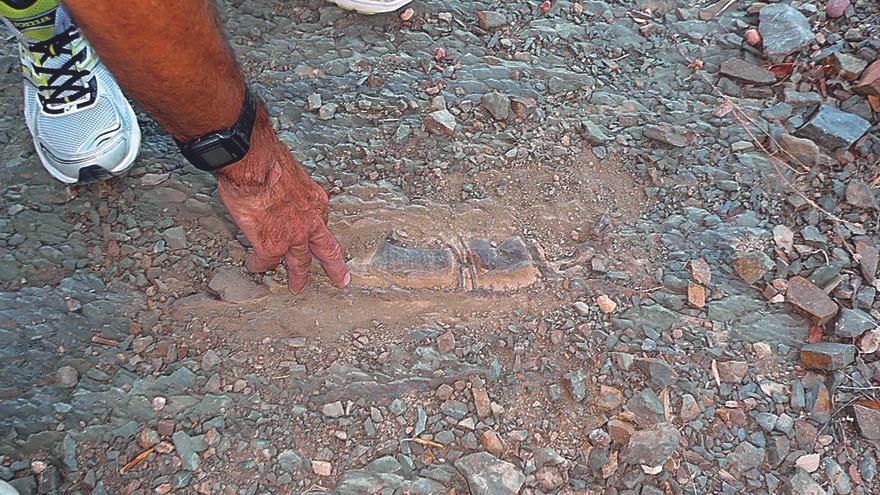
(347, 279)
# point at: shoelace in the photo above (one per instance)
(58, 92)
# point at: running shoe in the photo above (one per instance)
(369, 7)
(83, 127)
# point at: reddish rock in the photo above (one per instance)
(700, 271)
(810, 300)
(860, 195)
(869, 84)
(868, 257)
(620, 431)
(732, 371)
(441, 122)
(606, 304)
(867, 421)
(482, 402)
(836, 8)
(234, 286)
(609, 398)
(446, 343)
(696, 295)
(492, 443)
(751, 266)
(827, 356)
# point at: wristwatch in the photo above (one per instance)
(217, 149)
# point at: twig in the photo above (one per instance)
(422, 441)
(739, 111)
(137, 460)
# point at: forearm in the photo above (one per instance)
(169, 57)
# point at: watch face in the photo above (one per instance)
(217, 155)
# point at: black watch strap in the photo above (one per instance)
(215, 150)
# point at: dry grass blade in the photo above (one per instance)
(137, 460)
(422, 441)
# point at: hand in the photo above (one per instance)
(281, 210)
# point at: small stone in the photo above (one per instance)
(487, 474)
(700, 271)
(739, 69)
(836, 8)
(620, 431)
(869, 256)
(869, 84)
(657, 370)
(802, 484)
(802, 150)
(696, 295)
(497, 104)
(314, 102)
(689, 410)
(867, 421)
(784, 238)
(853, 323)
(833, 128)
(184, 444)
(582, 308)
(767, 421)
(860, 195)
(808, 462)
(333, 410)
(810, 301)
(751, 265)
(327, 111)
(848, 66)
(490, 20)
(175, 238)
(147, 438)
(666, 135)
(482, 403)
(446, 343)
(593, 133)
(67, 377)
(840, 481)
(606, 304)
(444, 392)
(827, 356)
(507, 266)
(492, 443)
(745, 457)
(753, 37)
(441, 122)
(784, 30)
(289, 461)
(732, 371)
(322, 468)
(210, 359)
(647, 408)
(609, 398)
(651, 447)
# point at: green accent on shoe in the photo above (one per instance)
(35, 22)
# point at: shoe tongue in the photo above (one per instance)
(40, 21)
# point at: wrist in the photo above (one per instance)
(266, 152)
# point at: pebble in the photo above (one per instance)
(322, 468)
(784, 30)
(808, 462)
(867, 421)
(751, 265)
(869, 84)
(810, 300)
(606, 304)
(333, 410)
(651, 447)
(441, 122)
(827, 356)
(833, 128)
(497, 104)
(490, 20)
(743, 71)
(836, 8)
(487, 474)
(446, 343)
(67, 377)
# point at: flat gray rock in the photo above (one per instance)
(489, 475)
(784, 30)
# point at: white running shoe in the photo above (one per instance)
(83, 127)
(371, 6)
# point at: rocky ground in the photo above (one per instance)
(623, 247)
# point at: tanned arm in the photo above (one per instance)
(172, 58)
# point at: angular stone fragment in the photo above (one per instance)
(696, 295)
(482, 403)
(657, 370)
(827, 356)
(509, 266)
(620, 431)
(233, 286)
(860, 195)
(739, 69)
(700, 271)
(732, 371)
(810, 300)
(441, 122)
(651, 447)
(175, 238)
(415, 268)
(834, 128)
(784, 238)
(606, 304)
(784, 30)
(751, 265)
(183, 444)
(869, 84)
(523, 106)
(446, 343)
(853, 323)
(609, 398)
(490, 20)
(492, 442)
(497, 104)
(802, 150)
(848, 66)
(647, 408)
(869, 255)
(836, 8)
(867, 421)
(665, 135)
(745, 457)
(487, 474)
(802, 484)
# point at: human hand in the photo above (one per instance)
(281, 210)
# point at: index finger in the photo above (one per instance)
(326, 248)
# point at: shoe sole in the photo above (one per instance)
(91, 174)
(368, 7)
